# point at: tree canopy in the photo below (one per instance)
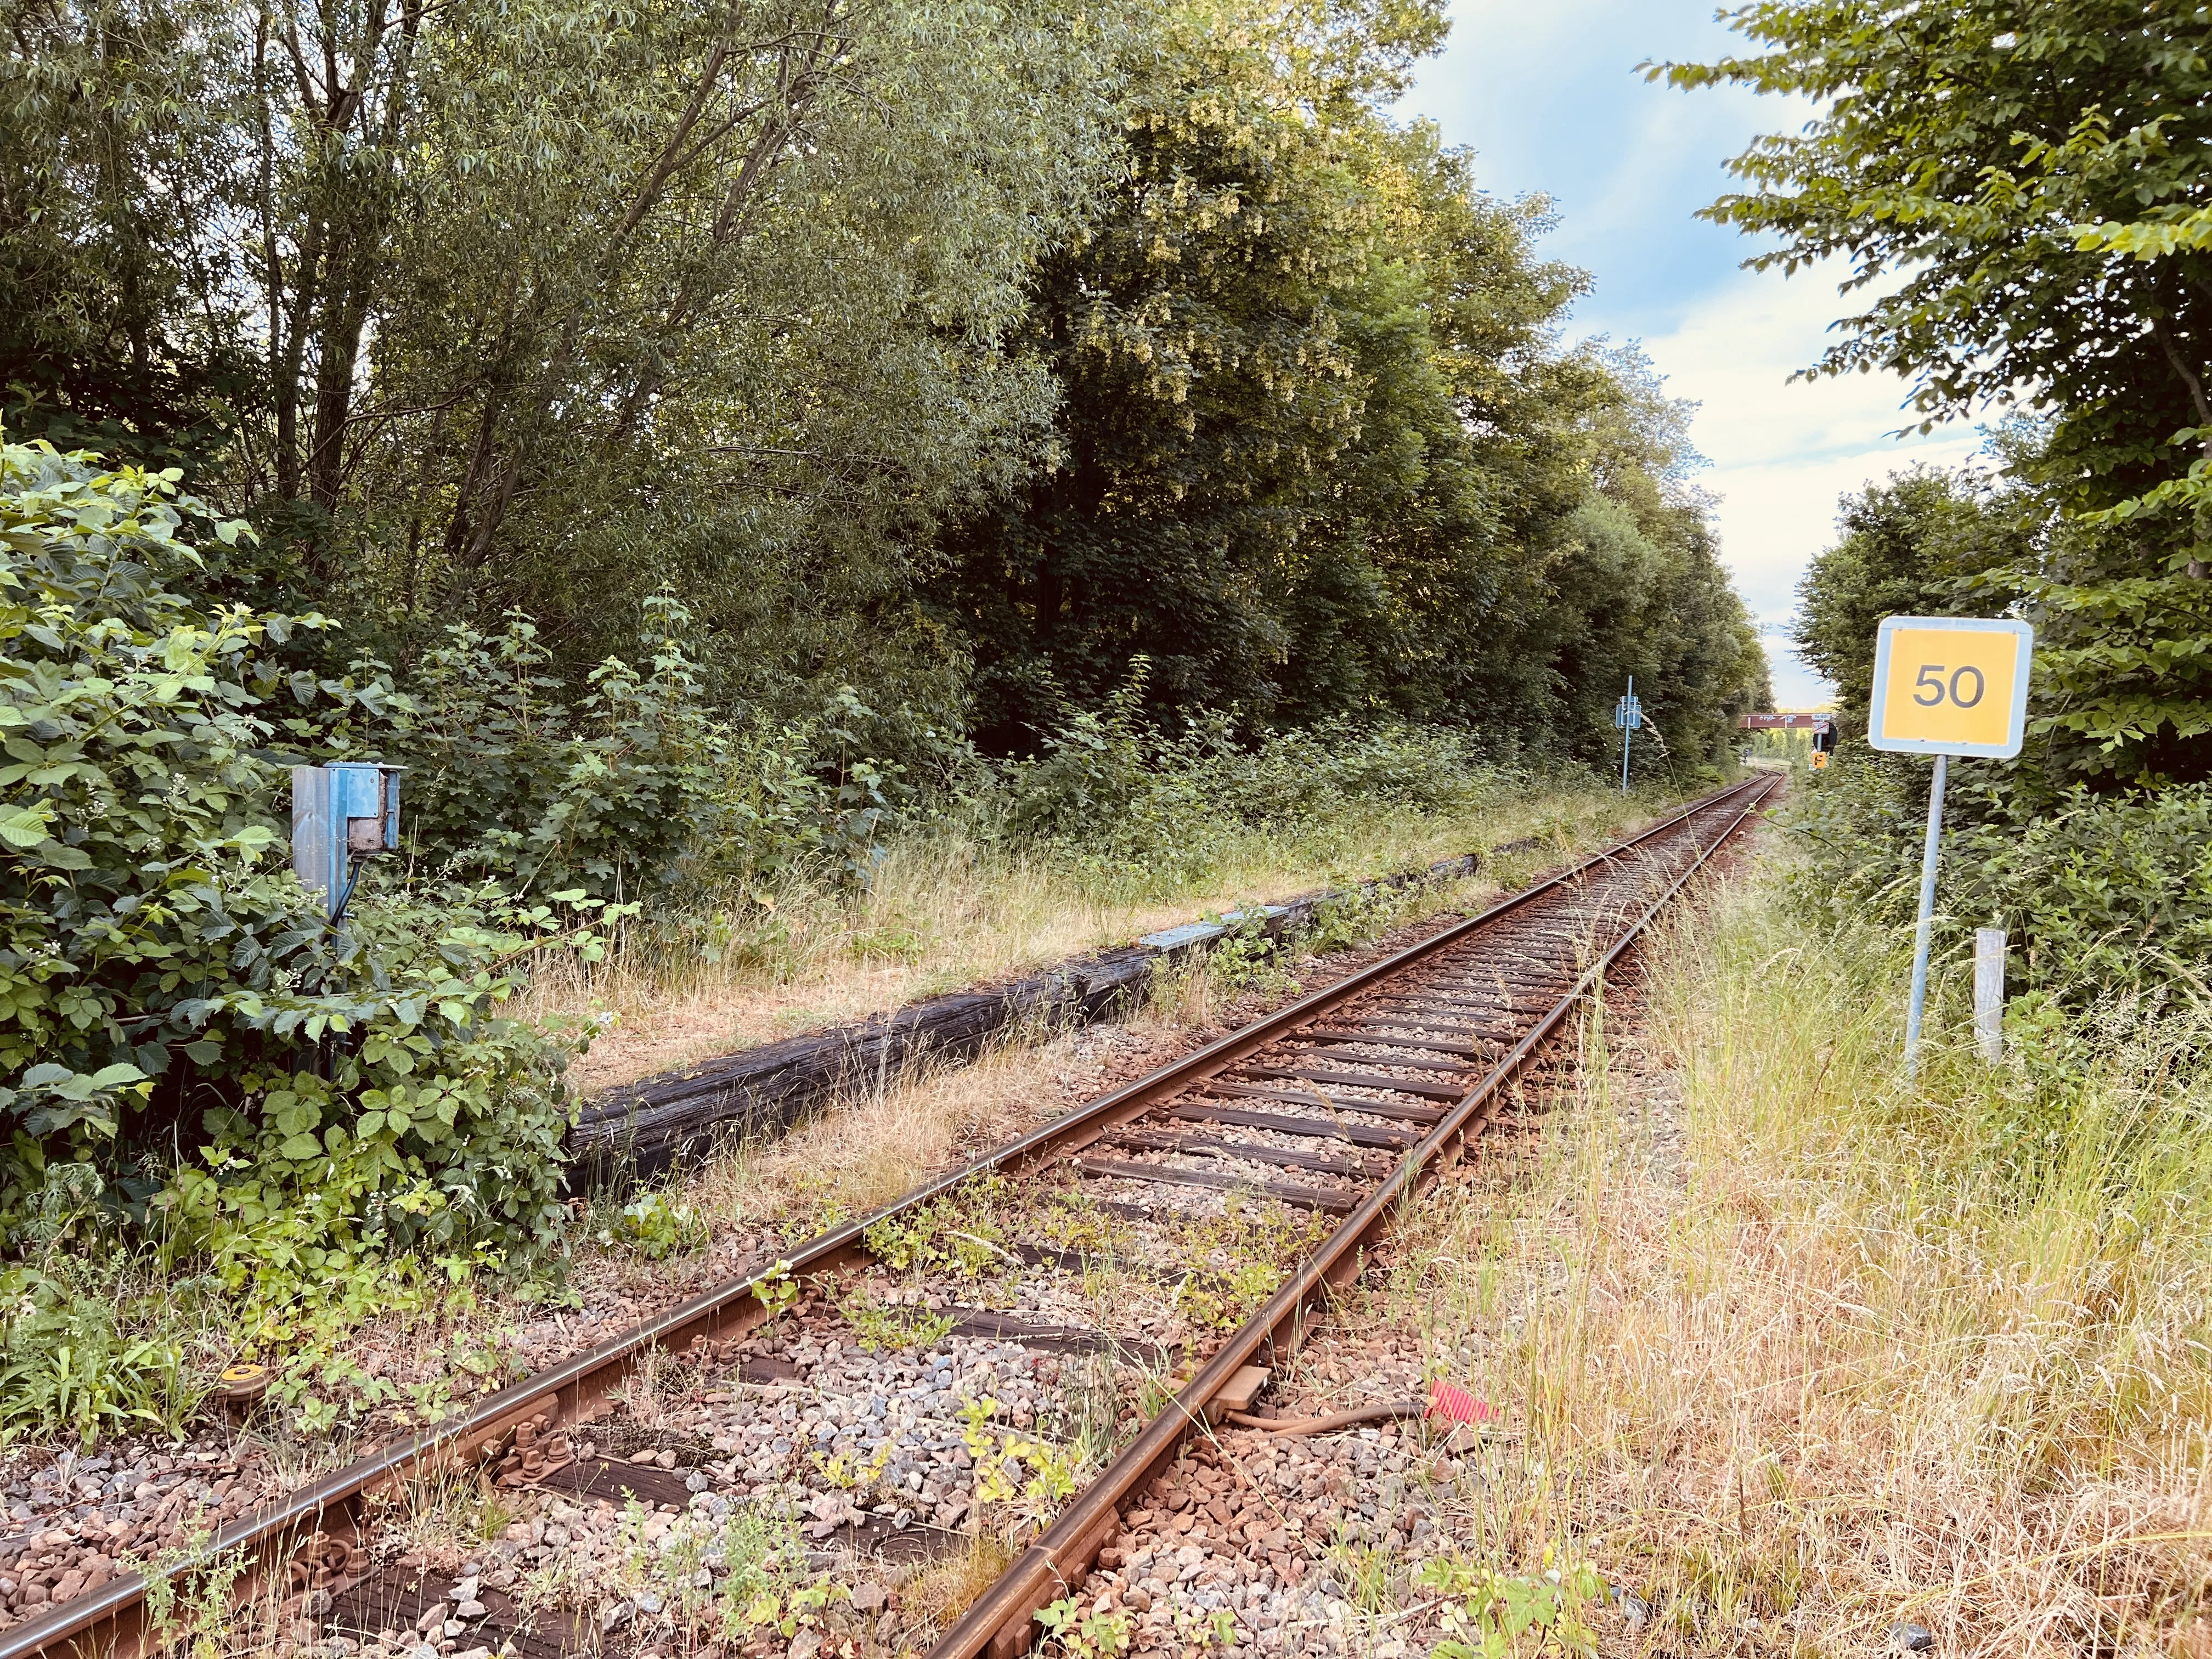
(1909, 547)
(1318, 450)
(2017, 191)
(962, 352)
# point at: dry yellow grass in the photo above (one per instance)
(1802, 1357)
(864, 1151)
(947, 911)
(861, 1154)
(942, 1591)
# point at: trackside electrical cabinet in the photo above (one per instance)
(341, 813)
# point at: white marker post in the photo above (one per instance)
(1946, 686)
(1989, 992)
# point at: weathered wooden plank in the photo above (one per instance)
(1359, 1134)
(1385, 1039)
(1404, 1111)
(1309, 1198)
(646, 1127)
(1162, 1140)
(1399, 1086)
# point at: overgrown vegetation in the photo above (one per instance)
(2108, 897)
(201, 1067)
(2032, 243)
(1120, 796)
(1779, 1338)
(2041, 235)
(1097, 441)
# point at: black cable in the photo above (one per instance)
(353, 876)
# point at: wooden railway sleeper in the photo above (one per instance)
(576, 1391)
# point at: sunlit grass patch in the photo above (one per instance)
(1803, 1355)
(950, 909)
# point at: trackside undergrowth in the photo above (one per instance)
(952, 908)
(1802, 1357)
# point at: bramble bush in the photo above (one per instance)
(166, 982)
(219, 1072)
(2106, 894)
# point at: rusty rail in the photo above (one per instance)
(1001, 1622)
(303, 1540)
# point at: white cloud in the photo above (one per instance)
(1548, 97)
(1782, 452)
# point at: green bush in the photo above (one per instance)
(655, 1227)
(2106, 894)
(289, 1098)
(634, 791)
(1112, 790)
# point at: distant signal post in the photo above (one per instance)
(1627, 716)
(1946, 686)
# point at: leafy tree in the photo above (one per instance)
(1909, 547)
(100, 344)
(1642, 589)
(2017, 188)
(1627, 581)
(1197, 335)
(476, 308)
(2123, 658)
(541, 312)
(1427, 544)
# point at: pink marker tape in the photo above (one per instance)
(1456, 1405)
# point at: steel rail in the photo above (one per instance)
(111, 1620)
(1002, 1620)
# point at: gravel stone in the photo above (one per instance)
(1635, 1611)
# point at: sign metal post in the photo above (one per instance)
(1946, 686)
(1923, 930)
(1628, 715)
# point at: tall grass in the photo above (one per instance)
(1804, 1354)
(954, 907)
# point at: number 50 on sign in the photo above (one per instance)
(1950, 685)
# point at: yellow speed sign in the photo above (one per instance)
(1950, 685)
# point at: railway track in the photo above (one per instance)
(840, 1452)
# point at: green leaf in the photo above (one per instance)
(57, 856)
(26, 826)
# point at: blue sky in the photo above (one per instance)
(1548, 96)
